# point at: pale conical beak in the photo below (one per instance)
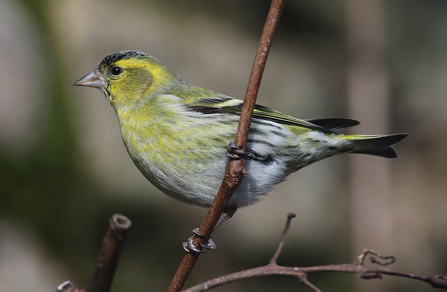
(92, 79)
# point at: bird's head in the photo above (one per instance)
(129, 78)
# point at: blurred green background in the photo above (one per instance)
(64, 170)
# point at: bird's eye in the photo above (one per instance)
(116, 71)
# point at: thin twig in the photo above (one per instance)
(112, 247)
(290, 216)
(306, 282)
(358, 267)
(235, 170)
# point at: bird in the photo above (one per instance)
(180, 136)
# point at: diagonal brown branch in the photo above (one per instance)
(235, 170)
(358, 267)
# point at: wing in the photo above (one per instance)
(334, 123)
(228, 105)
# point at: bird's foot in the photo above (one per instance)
(189, 246)
(236, 152)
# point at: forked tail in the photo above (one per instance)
(379, 145)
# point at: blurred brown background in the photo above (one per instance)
(64, 170)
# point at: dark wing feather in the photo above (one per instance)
(231, 106)
(334, 123)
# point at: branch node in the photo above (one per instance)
(361, 258)
(302, 277)
(438, 281)
(387, 260)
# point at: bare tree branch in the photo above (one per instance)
(358, 267)
(112, 247)
(235, 170)
(114, 240)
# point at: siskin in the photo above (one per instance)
(176, 133)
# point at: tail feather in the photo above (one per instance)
(376, 145)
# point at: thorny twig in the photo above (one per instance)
(358, 267)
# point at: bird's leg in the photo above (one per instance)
(227, 214)
(236, 152)
(189, 246)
